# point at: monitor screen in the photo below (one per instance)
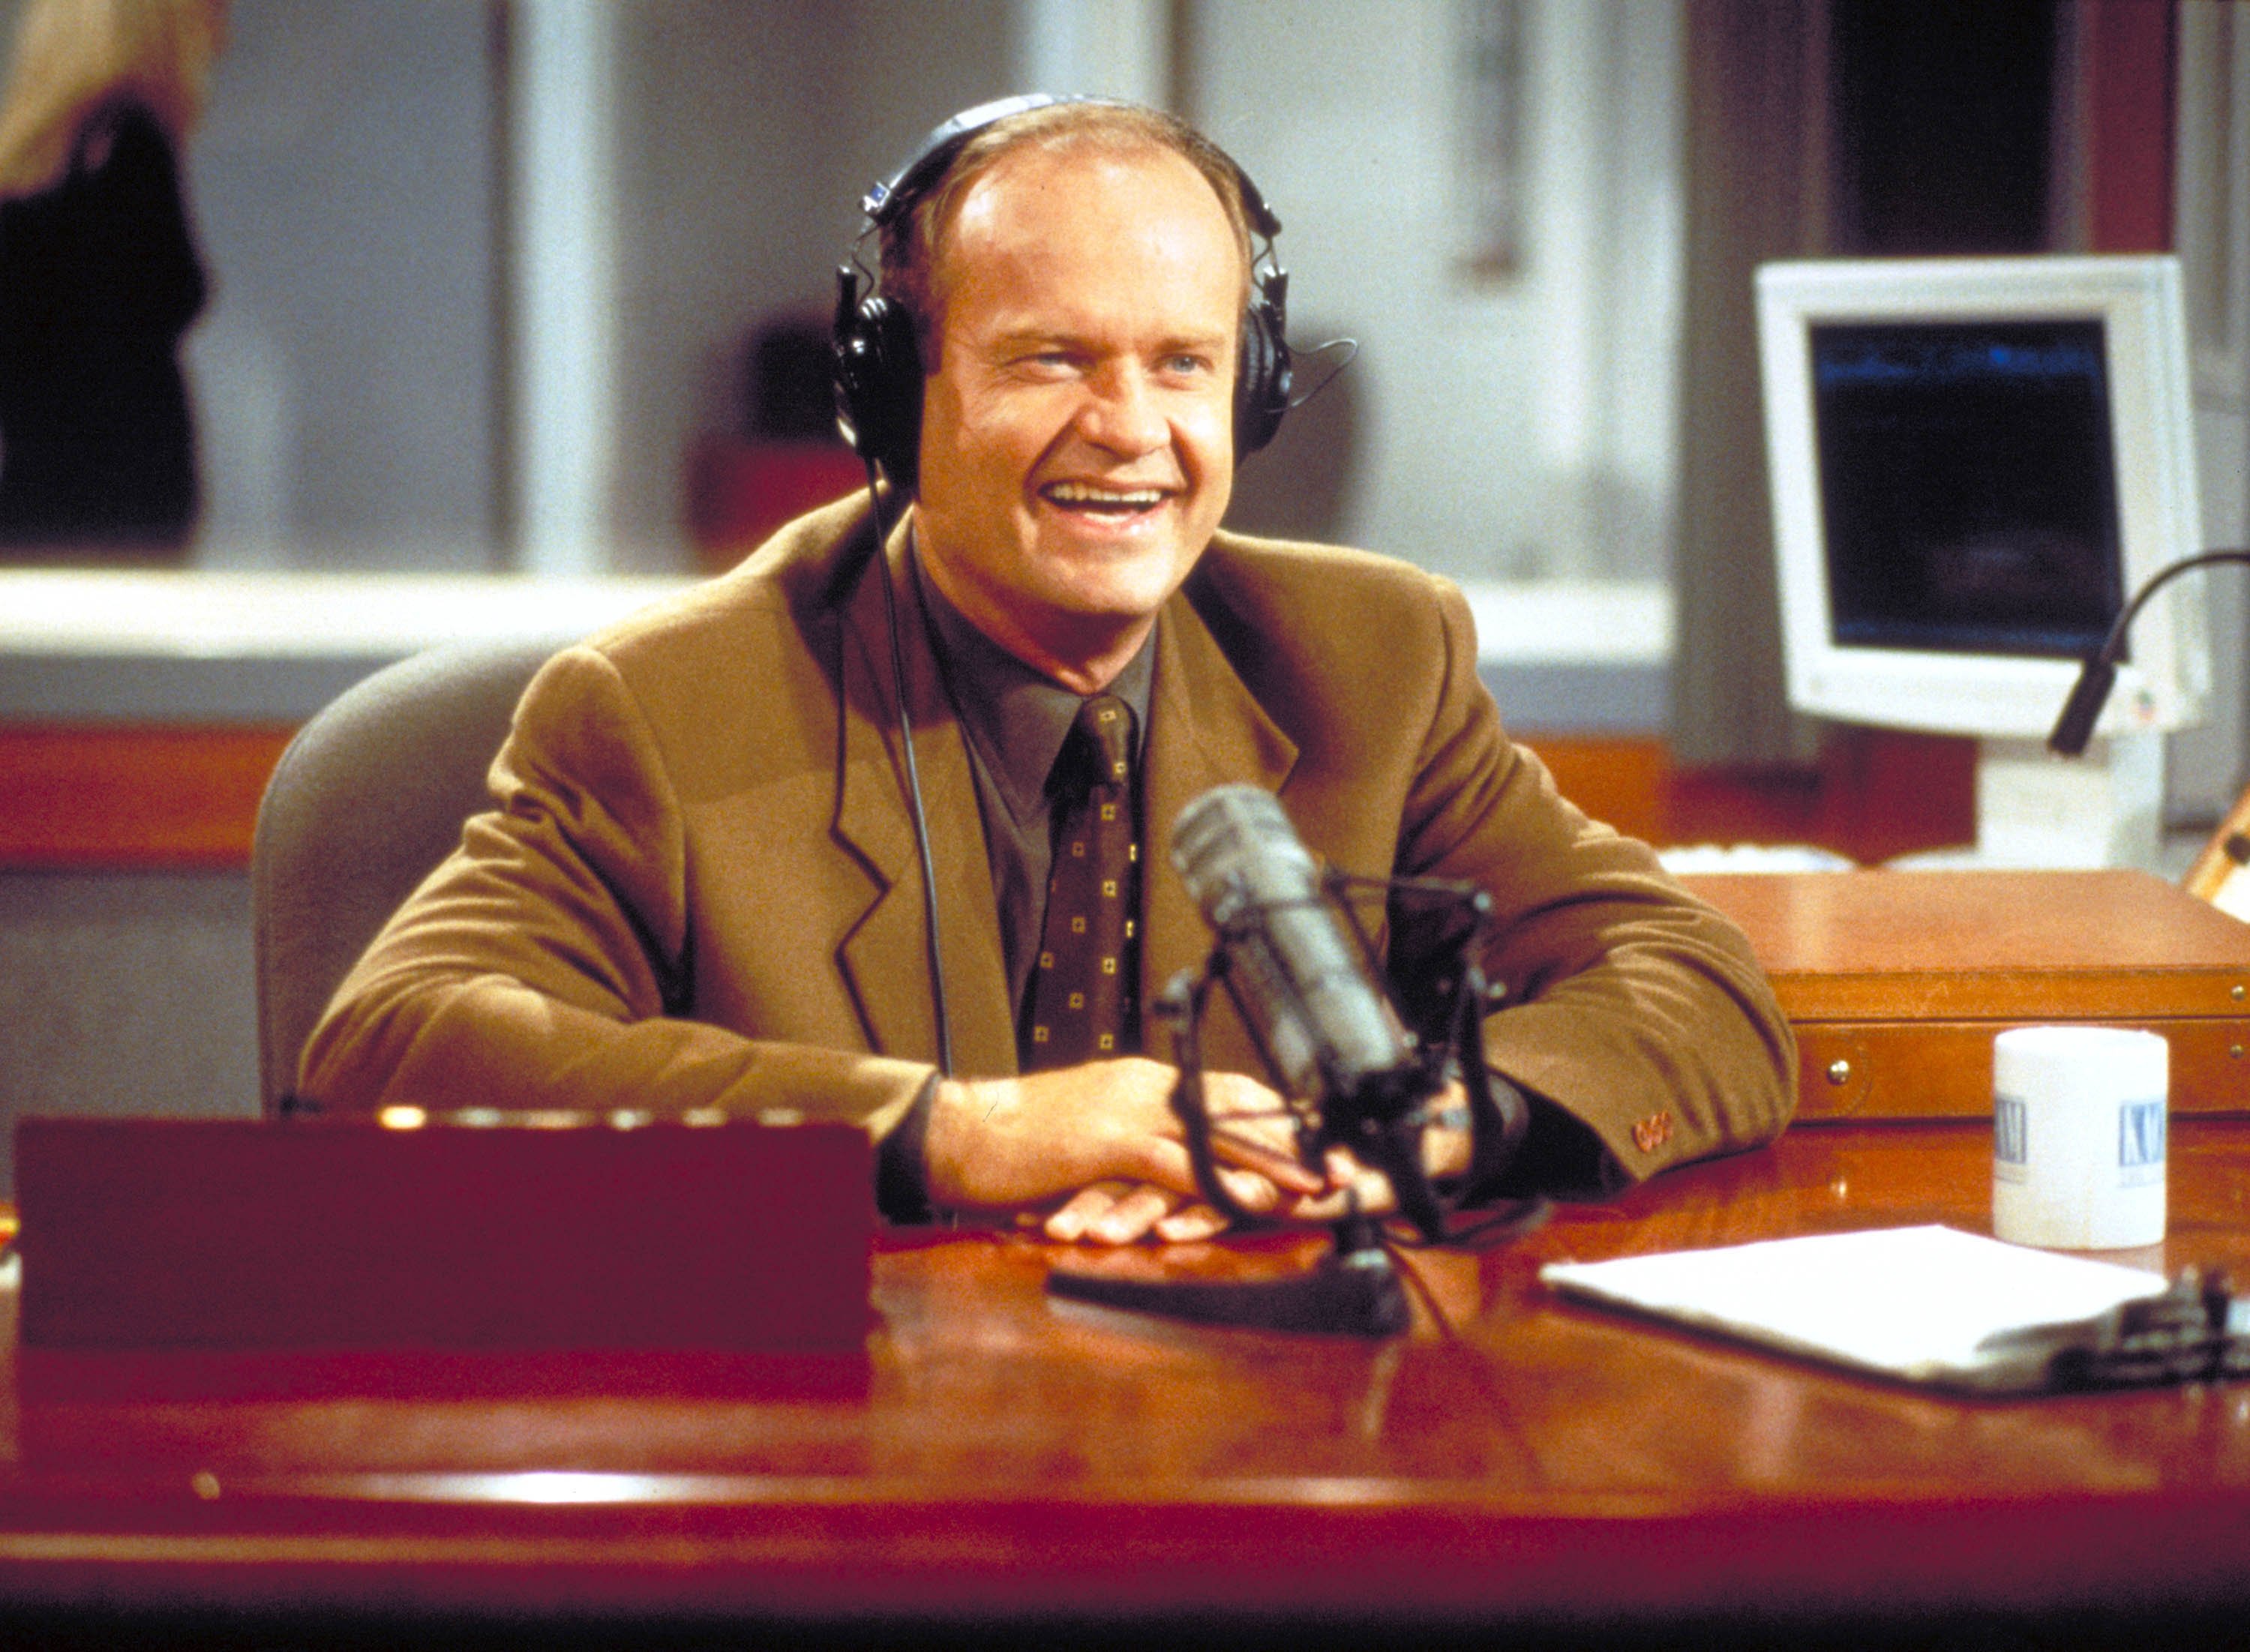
(1967, 484)
(1973, 463)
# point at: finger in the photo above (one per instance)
(1258, 1186)
(1349, 1187)
(1275, 1141)
(1375, 1196)
(1446, 1151)
(1274, 1158)
(1088, 1205)
(1371, 1188)
(1253, 1192)
(1132, 1216)
(1191, 1222)
(1253, 1127)
(1237, 1100)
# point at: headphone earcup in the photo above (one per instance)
(1263, 380)
(878, 377)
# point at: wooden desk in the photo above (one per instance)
(1896, 981)
(1006, 1462)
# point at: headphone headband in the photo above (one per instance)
(887, 200)
(878, 366)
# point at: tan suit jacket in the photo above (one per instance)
(699, 884)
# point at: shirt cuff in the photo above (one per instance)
(901, 1175)
(1559, 1155)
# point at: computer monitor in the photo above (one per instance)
(1974, 462)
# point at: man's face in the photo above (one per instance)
(1077, 436)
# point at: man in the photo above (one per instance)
(700, 885)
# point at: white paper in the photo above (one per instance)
(1926, 1305)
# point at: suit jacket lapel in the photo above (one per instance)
(884, 955)
(1205, 730)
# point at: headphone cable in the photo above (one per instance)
(882, 568)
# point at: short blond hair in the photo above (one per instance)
(74, 57)
(913, 240)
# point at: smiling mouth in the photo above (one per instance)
(1102, 501)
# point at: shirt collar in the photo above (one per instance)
(1017, 719)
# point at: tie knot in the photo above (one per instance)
(1104, 733)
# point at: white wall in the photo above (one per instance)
(1523, 428)
(713, 224)
(561, 273)
(361, 399)
(345, 374)
(1112, 48)
(747, 131)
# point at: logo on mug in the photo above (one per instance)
(2140, 1141)
(2010, 1138)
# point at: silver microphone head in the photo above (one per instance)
(1298, 976)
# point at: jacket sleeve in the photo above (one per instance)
(545, 964)
(1631, 1006)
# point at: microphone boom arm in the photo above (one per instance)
(2098, 671)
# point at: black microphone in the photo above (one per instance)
(1299, 968)
(2099, 672)
(1302, 981)
(2076, 726)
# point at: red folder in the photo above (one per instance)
(310, 1234)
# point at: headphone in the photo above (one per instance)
(878, 369)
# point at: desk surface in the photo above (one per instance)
(1001, 1456)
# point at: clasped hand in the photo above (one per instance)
(1103, 1140)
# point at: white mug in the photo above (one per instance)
(2079, 1123)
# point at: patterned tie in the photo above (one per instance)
(1083, 1002)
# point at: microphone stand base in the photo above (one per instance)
(1354, 1291)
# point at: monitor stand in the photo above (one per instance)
(2038, 811)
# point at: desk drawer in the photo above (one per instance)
(1944, 1069)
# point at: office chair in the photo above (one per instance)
(368, 798)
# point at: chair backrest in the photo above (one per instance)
(368, 798)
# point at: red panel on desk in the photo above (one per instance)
(227, 1234)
